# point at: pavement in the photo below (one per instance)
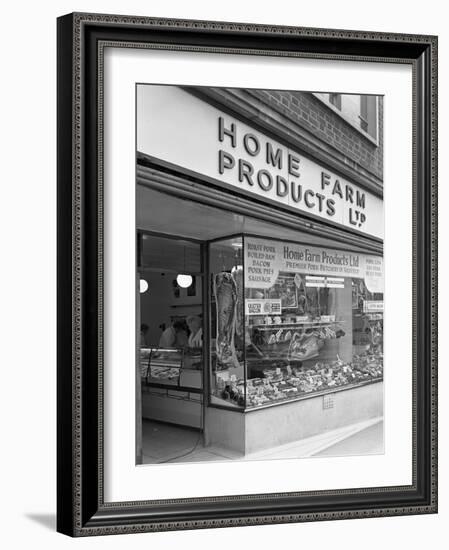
(165, 443)
(368, 441)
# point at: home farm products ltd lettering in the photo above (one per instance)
(281, 174)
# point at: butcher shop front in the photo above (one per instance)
(259, 287)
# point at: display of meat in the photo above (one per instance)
(237, 274)
(225, 291)
(304, 347)
(282, 384)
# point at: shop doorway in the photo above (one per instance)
(170, 340)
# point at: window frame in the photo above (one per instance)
(323, 98)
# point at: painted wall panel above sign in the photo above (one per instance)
(180, 129)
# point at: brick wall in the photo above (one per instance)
(306, 110)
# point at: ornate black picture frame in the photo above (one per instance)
(81, 510)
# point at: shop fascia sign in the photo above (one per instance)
(321, 267)
(282, 173)
(180, 129)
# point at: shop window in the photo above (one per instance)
(227, 329)
(304, 327)
(299, 312)
(367, 325)
(286, 321)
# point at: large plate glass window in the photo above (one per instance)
(314, 318)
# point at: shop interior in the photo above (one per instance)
(190, 260)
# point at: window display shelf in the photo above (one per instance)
(316, 393)
(277, 385)
(277, 326)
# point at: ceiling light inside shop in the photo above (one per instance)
(237, 244)
(143, 286)
(236, 268)
(184, 281)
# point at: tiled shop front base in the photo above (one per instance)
(261, 429)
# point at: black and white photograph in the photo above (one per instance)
(246, 274)
(220, 260)
(259, 274)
